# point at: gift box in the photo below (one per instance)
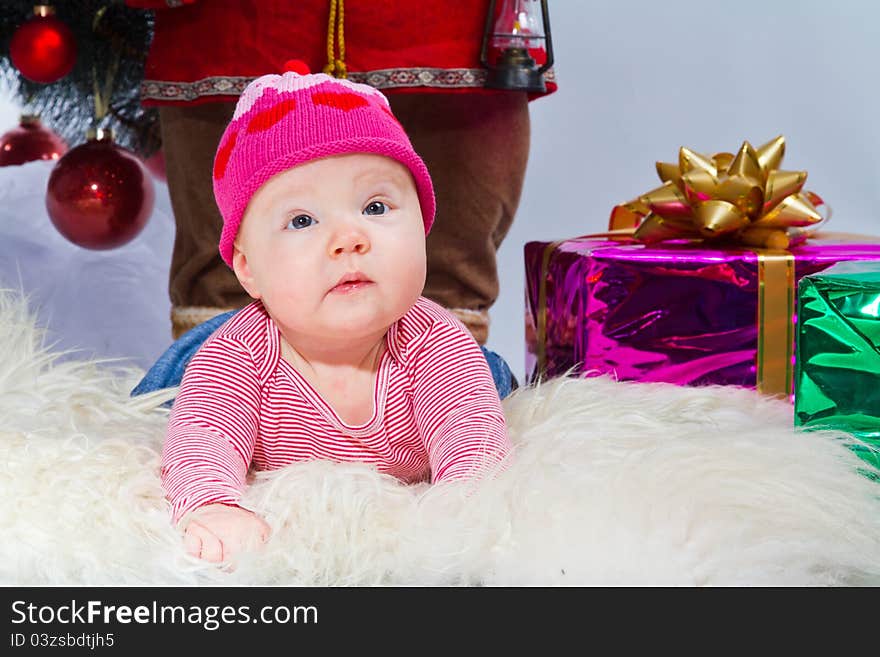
(679, 313)
(694, 283)
(837, 373)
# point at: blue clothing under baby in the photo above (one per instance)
(167, 371)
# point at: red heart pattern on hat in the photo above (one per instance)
(223, 154)
(342, 101)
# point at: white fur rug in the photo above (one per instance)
(610, 484)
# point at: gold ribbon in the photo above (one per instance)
(776, 285)
(742, 199)
(725, 200)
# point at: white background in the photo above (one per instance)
(637, 81)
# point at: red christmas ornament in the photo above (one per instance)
(31, 140)
(43, 49)
(99, 195)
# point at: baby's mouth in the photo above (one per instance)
(351, 282)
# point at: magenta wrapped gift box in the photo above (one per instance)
(676, 312)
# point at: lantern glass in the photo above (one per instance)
(516, 37)
(518, 24)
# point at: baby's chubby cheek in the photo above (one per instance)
(414, 272)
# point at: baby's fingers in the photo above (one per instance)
(202, 543)
(192, 542)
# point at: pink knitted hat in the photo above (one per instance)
(281, 121)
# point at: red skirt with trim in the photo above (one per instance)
(209, 50)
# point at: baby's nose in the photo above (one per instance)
(349, 241)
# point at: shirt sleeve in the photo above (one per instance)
(212, 429)
(457, 405)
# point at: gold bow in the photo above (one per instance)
(742, 199)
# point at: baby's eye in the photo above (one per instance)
(300, 221)
(376, 208)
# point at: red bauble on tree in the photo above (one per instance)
(100, 195)
(43, 49)
(31, 140)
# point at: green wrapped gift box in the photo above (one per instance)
(837, 373)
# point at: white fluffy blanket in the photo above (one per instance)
(610, 484)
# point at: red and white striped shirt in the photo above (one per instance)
(436, 410)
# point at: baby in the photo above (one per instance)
(325, 210)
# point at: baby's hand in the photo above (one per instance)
(218, 532)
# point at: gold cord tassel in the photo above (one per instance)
(336, 66)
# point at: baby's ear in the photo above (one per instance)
(243, 271)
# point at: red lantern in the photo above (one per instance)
(43, 49)
(99, 195)
(517, 47)
(31, 140)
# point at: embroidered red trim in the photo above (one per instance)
(441, 78)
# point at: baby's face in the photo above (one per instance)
(335, 248)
